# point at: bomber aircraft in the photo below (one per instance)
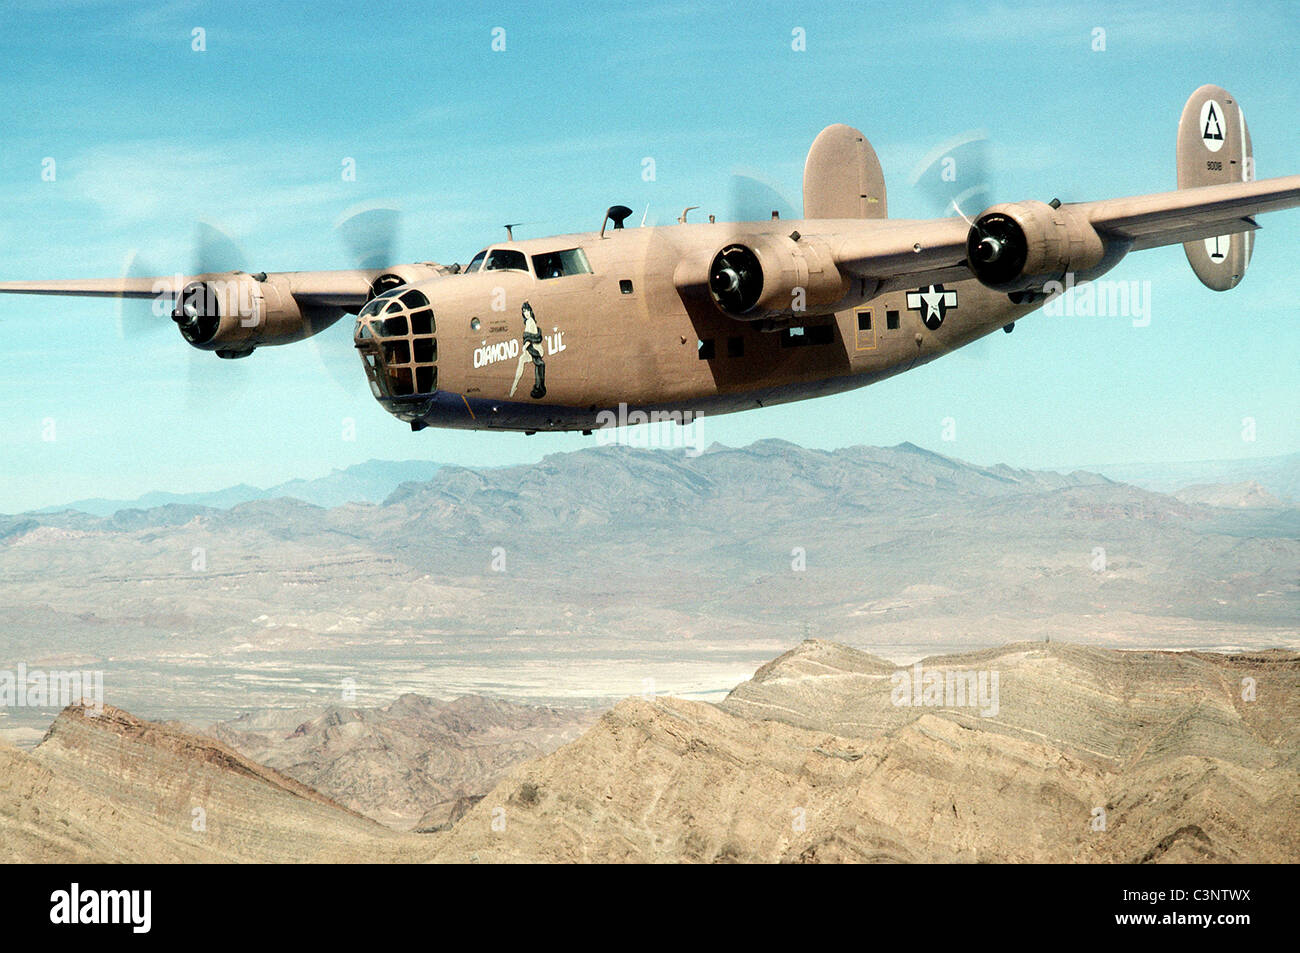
(551, 334)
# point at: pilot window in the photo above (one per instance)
(506, 259)
(476, 262)
(558, 264)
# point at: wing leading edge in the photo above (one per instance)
(343, 289)
(899, 253)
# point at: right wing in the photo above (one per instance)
(95, 287)
(343, 289)
(234, 312)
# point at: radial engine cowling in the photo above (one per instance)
(234, 313)
(1022, 246)
(766, 276)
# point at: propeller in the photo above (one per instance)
(215, 251)
(210, 376)
(955, 177)
(138, 319)
(369, 234)
(753, 198)
(736, 278)
(735, 274)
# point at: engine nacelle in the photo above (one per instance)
(234, 313)
(1022, 246)
(400, 275)
(766, 276)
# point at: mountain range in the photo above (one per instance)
(585, 577)
(367, 482)
(1074, 754)
(1279, 476)
(373, 480)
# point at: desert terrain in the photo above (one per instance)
(604, 573)
(1092, 755)
(621, 654)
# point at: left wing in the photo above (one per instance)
(1170, 218)
(907, 254)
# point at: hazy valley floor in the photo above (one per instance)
(604, 573)
(541, 662)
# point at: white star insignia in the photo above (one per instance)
(933, 303)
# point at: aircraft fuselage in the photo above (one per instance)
(519, 350)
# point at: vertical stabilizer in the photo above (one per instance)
(1214, 149)
(842, 177)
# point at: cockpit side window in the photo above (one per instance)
(476, 262)
(558, 264)
(506, 259)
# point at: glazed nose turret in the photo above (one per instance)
(396, 337)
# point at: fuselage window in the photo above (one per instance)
(558, 264)
(807, 336)
(506, 259)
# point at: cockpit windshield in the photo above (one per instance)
(476, 262)
(506, 259)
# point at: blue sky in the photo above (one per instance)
(149, 136)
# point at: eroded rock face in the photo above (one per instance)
(1091, 756)
(410, 764)
(811, 760)
(111, 787)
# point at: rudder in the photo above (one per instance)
(842, 177)
(1214, 149)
